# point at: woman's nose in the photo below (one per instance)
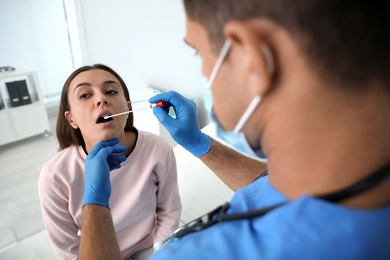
(101, 100)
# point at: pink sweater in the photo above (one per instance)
(145, 203)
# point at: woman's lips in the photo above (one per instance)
(100, 118)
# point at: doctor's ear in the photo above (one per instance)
(254, 53)
(68, 116)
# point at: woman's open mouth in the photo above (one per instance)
(102, 120)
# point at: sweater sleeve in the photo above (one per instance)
(59, 224)
(168, 209)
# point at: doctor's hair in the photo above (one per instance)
(66, 134)
(345, 41)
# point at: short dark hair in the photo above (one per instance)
(66, 134)
(345, 40)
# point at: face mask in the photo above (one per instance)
(236, 138)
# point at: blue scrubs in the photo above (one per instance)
(306, 228)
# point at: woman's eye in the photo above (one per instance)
(84, 96)
(111, 92)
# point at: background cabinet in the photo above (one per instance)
(18, 122)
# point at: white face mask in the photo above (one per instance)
(236, 138)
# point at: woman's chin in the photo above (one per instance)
(107, 138)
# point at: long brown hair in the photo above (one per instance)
(66, 134)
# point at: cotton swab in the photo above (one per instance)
(159, 104)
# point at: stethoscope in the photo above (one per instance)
(219, 214)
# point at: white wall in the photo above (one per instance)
(34, 34)
(143, 42)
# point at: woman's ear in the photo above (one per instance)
(129, 108)
(68, 116)
(252, 54)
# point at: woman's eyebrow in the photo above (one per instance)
(82, 84)
(107, 82)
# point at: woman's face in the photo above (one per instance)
(93, 94)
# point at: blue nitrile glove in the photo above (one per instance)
(184, 128)
(100, 161)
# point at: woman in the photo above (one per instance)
(144, 201)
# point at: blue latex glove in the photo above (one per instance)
(184, 128)
(100, 161)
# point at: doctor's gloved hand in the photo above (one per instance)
(102, 159)
(184, 128)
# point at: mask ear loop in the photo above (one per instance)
(248, 112)
(257, 99)
(220, 59)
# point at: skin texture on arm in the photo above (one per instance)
(233, 168)
(97, 223)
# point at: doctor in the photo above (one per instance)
(308, 81)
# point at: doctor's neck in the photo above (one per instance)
(327, 140)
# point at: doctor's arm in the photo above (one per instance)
(98, 238)
(233, 168)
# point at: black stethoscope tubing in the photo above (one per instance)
(219, 214)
